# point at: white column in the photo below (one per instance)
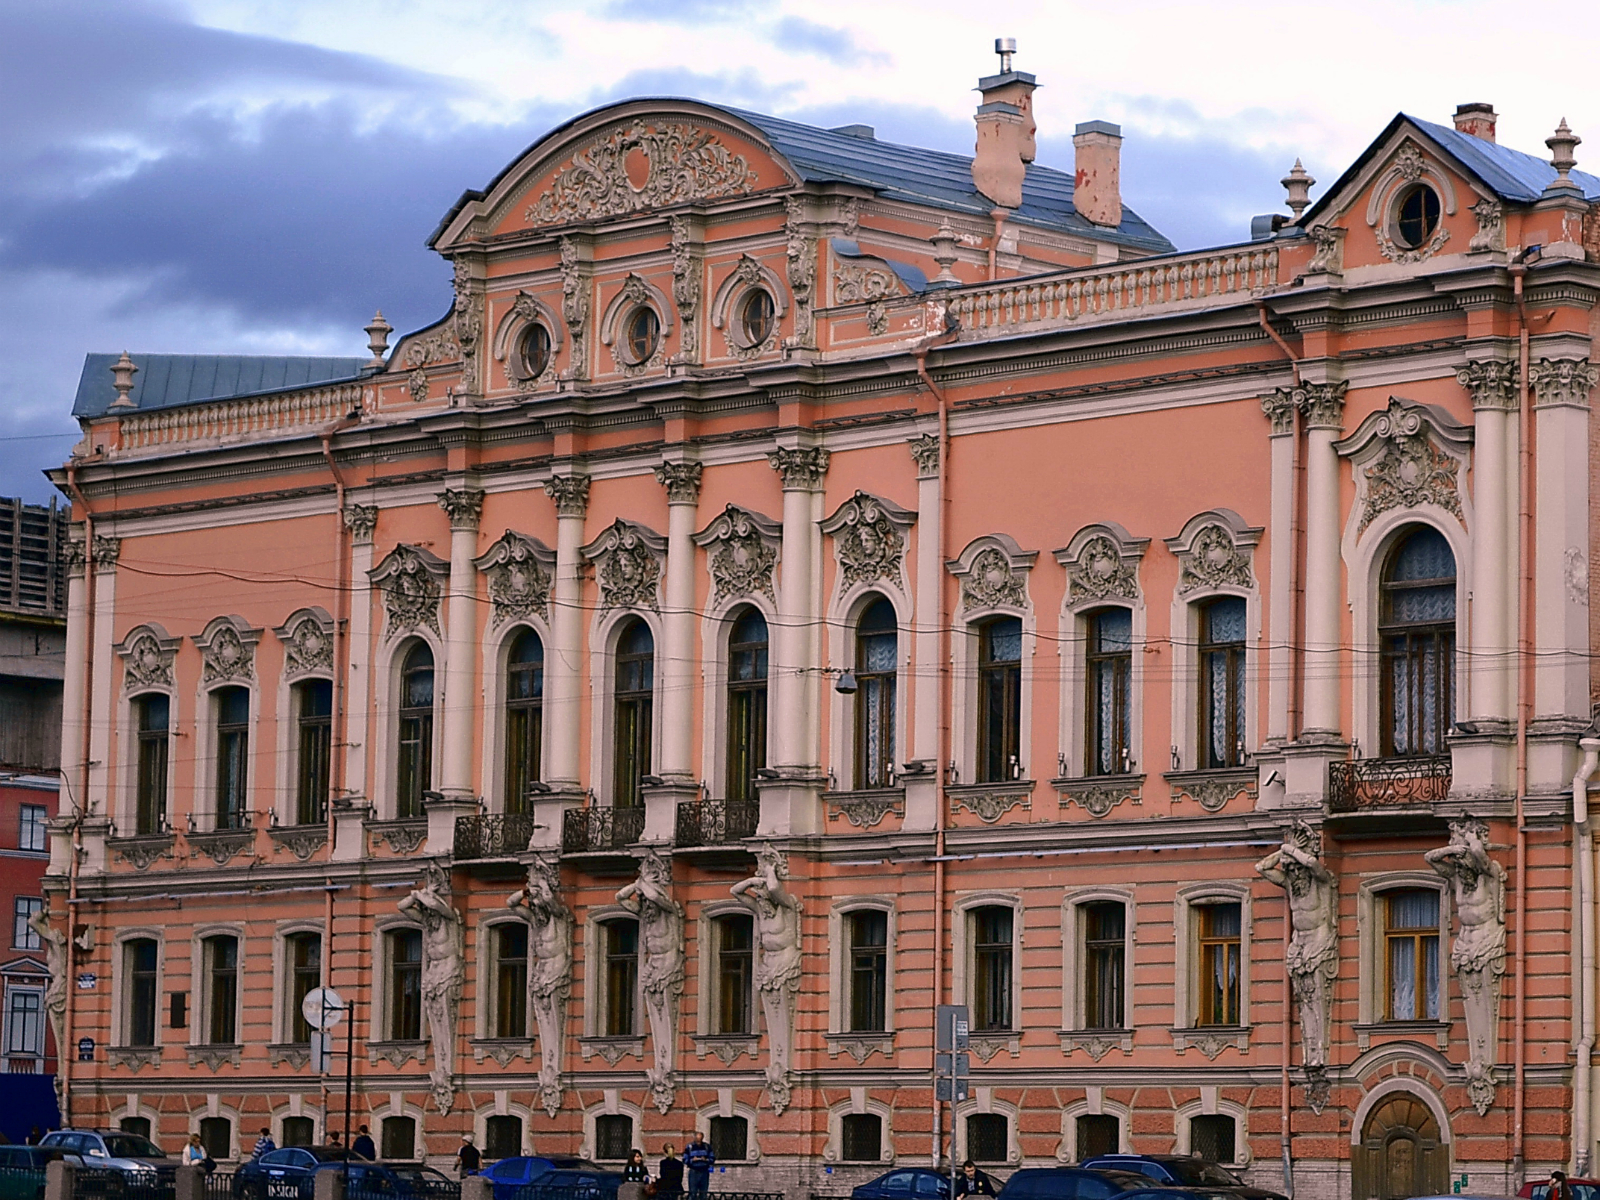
(1324, 413)
(802, 471)
(1494, 574)
(922, 791)
(74, 682)
(96, 797)
(464, 506)
(562, 675)
(1279, 408)
(682, 481)
(362, 521)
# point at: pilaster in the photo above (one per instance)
(922, 790)
(682, 481)
(362, 522)
(1493, 386)
(1322, 405)
(1279, 409)
(464, 507)
(96, 796)
(562, 668)
(74, 682)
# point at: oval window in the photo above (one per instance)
(756, 317)
(644, 335)
(535, 351)
(1418, 216)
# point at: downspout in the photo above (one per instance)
(1524, 698)
(80, 802)
(1583, 921)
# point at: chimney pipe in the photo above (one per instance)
(1476, 120)
(1097, 186)
(1006, 131)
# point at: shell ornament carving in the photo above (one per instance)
(741, 559)
(227, 657)
(147, 666)
(519, 584)
(308, 650)
(1101, 574)
(411, 593)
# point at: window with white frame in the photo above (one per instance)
(524, 719)
(403, 949)
(1000, 700)
(414, 774)
(152, 718)
(876, 661)
(991, 929)
(1411, 954)
(231, 713)
(734, 945)
(24, 1021)
(633, 705)
(33, 834)
(302, 953)
(1222, 679)
(313, 710)
(1108, 703)
(219, 956)
(867, 985)
(1218, 949)
(619, 985)
(1104, 924)
(23, 935)
(140, 959)
(509, 945)
(747, 704)
(1417, 637)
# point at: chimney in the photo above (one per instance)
(1477, 120)
(1097, 187)
(1005, 130)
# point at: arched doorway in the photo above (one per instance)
(1401, 1153)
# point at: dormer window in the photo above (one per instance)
(644, 335)
(756, 317)
(1416, 216)
(535, 351)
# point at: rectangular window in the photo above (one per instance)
(730, 1137)
(299, 1131)
(1110, 666)
(868, 932)
(1098, 1134)
(314, 700)
(502, 1137)
(1411, 935)
(23, 935)
(303, 952)
(398, 1139)
(216, 1135)
(405, 985)
(232, 706)
(1104, 928)
(139, 957)
(621, 947)
(222, 990)
(511, 980)
(986, 1138)
(1000, 700)
(154, 715)
(735, 963)
(32, 835)
(1211, 1138)
(862, 1135)
(991, 968)
(613, 1137)
(24, 1023)
(1220, 926)
(1222, 710)
(135, 1125)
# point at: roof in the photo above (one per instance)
(170, 380)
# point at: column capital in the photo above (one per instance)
(106, 550)
(464, 506)
(1279, 409)
(1562, 382)
(1491, 382)
(925, 449)
(1322, 404)
(77, 557)
(362, 521)
(571, 494)
(682, 481)
(802, 469)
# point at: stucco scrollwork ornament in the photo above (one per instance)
(411, 579)
(1279, 409)
(855, 283)
(1491, 382)
(777, 918)
(869, 534)
(1098, 799)
(642, 166)
(1213, 552)
(1478, 886)
(1409, 166)
(362, 521)
(993, 573)
(988, 804)
(147, 654)
(575, 307)
(1491, 235)
(76, 557)
(1329, 256)
(1399, 462)
(802, 469)
(801, 268)
(748, 275)
(106, 552)
(687, 288)
(682, 481)
(741, 549)
(468, 322)
(865, 810)
(437, 346)
(227, 653)
(443, 956)
(636, 293)
(1313, 898)
(464, 507)
(1562, 381)
(661, 967)
(526, 312)
(1102, 563)
(519, 570)
(307, 638)
(550, 983)
(627, 558)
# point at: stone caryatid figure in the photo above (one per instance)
(1478, 957)
(54, 944)
(442, 959)
(661, 973)
(778, 968)
(550, 982)
(1313, 950)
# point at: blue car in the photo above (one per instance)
(392, 1181)
(1182, 1171)
(1070, 1183)
(906, 1183)
(282, 1174)
(510, 1175)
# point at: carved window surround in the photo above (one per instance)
(1212, 789)
(861, 1046)
(215, 1056)
(1411, 1031)
(300, 840)
(1409, 455)
(524, 312)
(1212, 1040)
(993, 574)
(991, 801)
(402, 837)
(411, 580)
(742, 547)
(147, 653)
(296, 1054)
(865, 808)
(227, 651)
(1099, 794)
(1096, 1043)
(985, 1046)
(727, 1046)
(869, 536)
(612, 1049)
(307, 638)
(628, 559)
(1102, 563)
(140, 853)
(746, 275)
(1214, 551)
(1409, 166)
(134, 1057)
(503, 1050)
(521, 572)
(636, 292)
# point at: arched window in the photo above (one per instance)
(636, 662)
(730, 1139)
(313, 703)
(299, 1131)
(415, 774)
(1110, 663)
(1417, 632)
(1222, 715)
(1098, 1133)
(232, 708)
(303, 954)
(877, 653)
(154, 717)
(524, 717)
(1000, 700)
(1211, 1137)
(747, 703)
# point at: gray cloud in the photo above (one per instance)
(679, 12)
(836, 45)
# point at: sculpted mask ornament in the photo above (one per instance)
(1329, 258)
(867, 532)
(1411, 470)
(550, 983)
(742, 554)
(518, 570)
(1313, 898)
(777, 918)
(661, 966)
(628, 559)
(442, 974)
(1491, 233)
(1478, 885)
(410, 579)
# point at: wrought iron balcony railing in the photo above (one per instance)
(716, 822)
(584, 830)
(494, 835)
(1368, 783)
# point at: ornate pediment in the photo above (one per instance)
(228, 651)
(147, 654)
(1214, 551)
(307, 638)
(870, 534)
(412, 580)
(627, 558)
(1102, 563)
(520, 572)
(741, 548)
(1408, 164)
(993, 571)
(1407, 455)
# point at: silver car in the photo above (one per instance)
(113, 1150)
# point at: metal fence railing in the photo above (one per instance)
(21, 1183)
(95, 1183)
(219, 1185)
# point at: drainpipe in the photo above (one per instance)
(1524, 700)
(1583, 923)
(79, 803)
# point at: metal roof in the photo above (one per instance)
(170, 380)
(1512, 174)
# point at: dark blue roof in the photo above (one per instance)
(170, 380)
(1512, 174)
(936, 178)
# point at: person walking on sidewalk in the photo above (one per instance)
(669, 1175)
(698, 1161)
(363, 1146)
(468, 1160)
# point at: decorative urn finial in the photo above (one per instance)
(122, 373)
(378, 338)
(1298, 183)
(1562, 143)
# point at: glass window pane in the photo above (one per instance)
(1417, 909)
(1113, 631)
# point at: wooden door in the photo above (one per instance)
(1401, 1154)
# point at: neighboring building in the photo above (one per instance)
(33, 623)
(818, 579)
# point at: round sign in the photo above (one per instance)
(322, 1008)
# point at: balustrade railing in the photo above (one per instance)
(587, 829)
(716, 822)
(1367, 783)
(493, 835)
(244, 418)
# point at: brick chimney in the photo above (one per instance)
(1097, 186)
(1477, 120)
(1005, 131)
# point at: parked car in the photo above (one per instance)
(282, 1174)
(571, 1183)
(1582, 1189)
(1181, 1170)
(1070, 1183)
(901, 1185)
(509, 1174)
(22, 1170)
(113, 1150)
(391, 1180)
(1178, 1193)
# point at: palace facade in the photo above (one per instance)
(804, 580)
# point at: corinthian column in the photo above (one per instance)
(464, 507)
(561, 678)
(1493, 386)
(1323, 406)
(682, 481)
(350, 836)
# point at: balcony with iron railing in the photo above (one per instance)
(705, 823)
(1368, 785)
(601, 829)
(493, 835)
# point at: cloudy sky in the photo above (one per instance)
(256, 176)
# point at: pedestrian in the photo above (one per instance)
(468, 1160)
(973, 1182)
(264, 1143)
(194, 1154)
(698, 1161)
(363, 1146)
(1560, 1189)
(669, 1173)
(333, 1140)
(34, 1136)
(636, 1171)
